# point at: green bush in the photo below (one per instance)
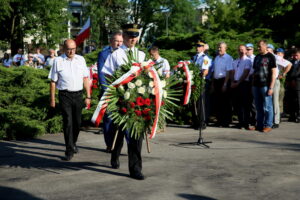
(24, 104)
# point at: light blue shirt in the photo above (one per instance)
(222, 64)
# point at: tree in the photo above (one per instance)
(45, 21)
(152, 15)
(107, 16)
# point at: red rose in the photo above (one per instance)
(146, 111)
(193, 87)
(162, 103)
(95, 76)
(132, 104)
(140, 101)
(147, 117)
(124, 110)
(138, 112)
(147, 102)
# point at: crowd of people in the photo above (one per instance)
(34, 59)
(249, 86)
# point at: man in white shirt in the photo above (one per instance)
(39, 58)
(250, 54)
(19, 59)
(242, 87)
(285, 66)
(221, 75)
(115, 60)
(69, 74)
(50, 58)
(162, 64)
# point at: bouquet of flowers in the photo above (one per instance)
(138, 99)
(188, 75)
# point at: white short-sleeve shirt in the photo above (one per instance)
(281, 63)
(19, 57)
(240, 65)
(69, 73)
(222, 64)
(163, 66)
(119, 57)
(7, 63)
(204, 62)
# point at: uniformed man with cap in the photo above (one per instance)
(116, 59)
(203, 62)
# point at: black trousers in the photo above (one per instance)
(71, 104)
(134, 152)
(222, 102)
(292, 96)
(243, 102)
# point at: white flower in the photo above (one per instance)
(141, 90)
(127, 95)
(192, 82)
(185, 81)
(180, 80)
(121, 87)
(151, 84)
(131, 85)
(153, 91)
(150, 75)
(150, 90)
(145, 63)
(178, 72)
(163, 83)
(191, 72)
(159, 71)
(138, 83)
(165, 94)
(192, 77)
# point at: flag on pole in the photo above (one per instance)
(84, 32)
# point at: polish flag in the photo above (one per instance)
(84, 32)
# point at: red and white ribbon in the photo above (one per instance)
(134, 72)
(158, 98)
(185, 66)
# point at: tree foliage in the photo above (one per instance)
(45, 21)
(107, 16)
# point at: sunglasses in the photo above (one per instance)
(249, 49)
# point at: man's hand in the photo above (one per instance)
(52, 103)
(87, 103)
(234, 84)
(270, 91)
(224, 88)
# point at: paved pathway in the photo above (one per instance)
(239, 165)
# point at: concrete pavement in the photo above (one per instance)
(239, 165)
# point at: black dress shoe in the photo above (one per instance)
(68, 157)
(115, 164)
(275, 126)
(138, 176)
(75, 149)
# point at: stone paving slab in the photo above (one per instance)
(238, 165)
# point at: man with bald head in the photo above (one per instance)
(69, 74)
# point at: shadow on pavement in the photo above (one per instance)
(12, 193)
(194, 197)
(21, 154)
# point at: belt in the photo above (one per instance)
(68, 91)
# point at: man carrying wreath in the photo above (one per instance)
(114, 61)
